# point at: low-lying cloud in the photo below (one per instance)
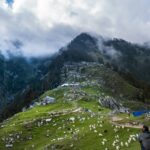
(41, 27)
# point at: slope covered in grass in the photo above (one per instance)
(71, 129)
(76, 120)
(79, 124)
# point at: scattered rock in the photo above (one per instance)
(48, 100)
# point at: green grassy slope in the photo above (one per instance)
(76, 120)
(31, 131)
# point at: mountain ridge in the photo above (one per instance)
(46, 73)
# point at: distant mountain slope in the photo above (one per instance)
(120, 54)
(133, 58)
(97, 75)
(17, 74)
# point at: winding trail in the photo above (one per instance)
(114, 120)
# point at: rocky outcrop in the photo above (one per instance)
(48, 100)
(45, 101)
(111, 103)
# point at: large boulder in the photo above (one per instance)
(48, 100)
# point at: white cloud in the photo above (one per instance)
(43, 26)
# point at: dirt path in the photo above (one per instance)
(114, 120)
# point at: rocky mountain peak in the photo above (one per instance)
(84, 42)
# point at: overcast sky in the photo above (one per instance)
(40, 27)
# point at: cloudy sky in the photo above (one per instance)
(39, 27)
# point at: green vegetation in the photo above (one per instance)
(89, 127)
(76, 120)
